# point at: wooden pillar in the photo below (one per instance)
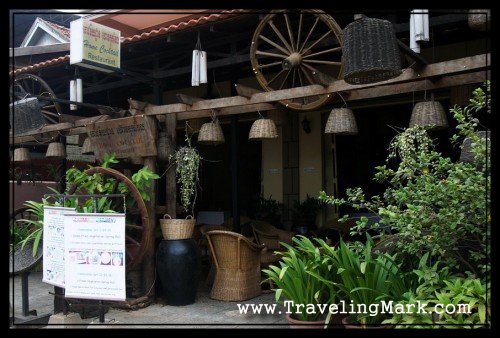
(171, 187)
(234, 173)
(148, 262)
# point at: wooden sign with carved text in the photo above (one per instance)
(126, 137)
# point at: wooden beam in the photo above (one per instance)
(449, 73)
(32, 50)
(458, 66)
(245, 91)
(186, 99)
(421, 85)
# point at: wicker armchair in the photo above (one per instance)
(272, 244)
(203, 244)
(270, 230)
(237, 261)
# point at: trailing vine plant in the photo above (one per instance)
(187, 160)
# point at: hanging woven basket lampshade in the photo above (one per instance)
(56, 150)
(211, 133)
(370, 51)
(263, 129)
(22, 155)
(87, 147)
(429, 114)
(479, 19)
(467, 155)
(341, 121)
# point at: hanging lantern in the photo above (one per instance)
(164, 147)
(341, 122)
(56, 150)
(370, 51)
(466, 155)
(479, 19)
(263, 129)
(22, 155)
(211, 133)
(429, 114)
(87, 147)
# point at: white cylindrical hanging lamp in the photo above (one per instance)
(195, 76)
(72, 94)
(203, 67)
(79, 90)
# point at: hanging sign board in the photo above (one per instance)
(95, 46)
(95, 256)
(53, 245)
(126, 137)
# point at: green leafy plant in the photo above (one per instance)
(366, 278)
(269, 209)
(304, 213)
(301, 275)
(187, 160)
(435, 205)
(461, 301)
(34, 226)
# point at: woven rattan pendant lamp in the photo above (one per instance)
(22, 155)
(263, 129)
(370, 51)
(56, 150)
(429, 114)
(341, 121)
(211, 132)
(87, 147)
(479, 19)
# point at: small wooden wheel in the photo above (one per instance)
(137, 226)
(289, 49)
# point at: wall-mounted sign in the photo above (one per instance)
(93, 45)
(309, 170)
(273, 170)
(53, 245)
(126, 137)
(95, 256)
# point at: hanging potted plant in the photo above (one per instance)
(187, 162)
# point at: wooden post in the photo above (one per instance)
(234, 173)
(171, 188)
(148, 262)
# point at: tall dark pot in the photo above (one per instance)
(178, 267)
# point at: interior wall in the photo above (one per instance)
(310, 156)
(272, 167)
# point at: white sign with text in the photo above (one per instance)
(53, 244)
(95, 256)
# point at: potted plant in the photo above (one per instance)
(187, 161)
(269, 210)
(304, 214)
(298, 280)
(365, 281)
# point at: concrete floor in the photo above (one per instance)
(204, 313)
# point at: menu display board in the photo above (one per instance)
(95, 256)
(53, 245)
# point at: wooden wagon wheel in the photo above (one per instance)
(136, 231)
(22, 259)
(29, 85)
(289, 49)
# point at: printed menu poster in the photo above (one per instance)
(53, 244)
(95, 256)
